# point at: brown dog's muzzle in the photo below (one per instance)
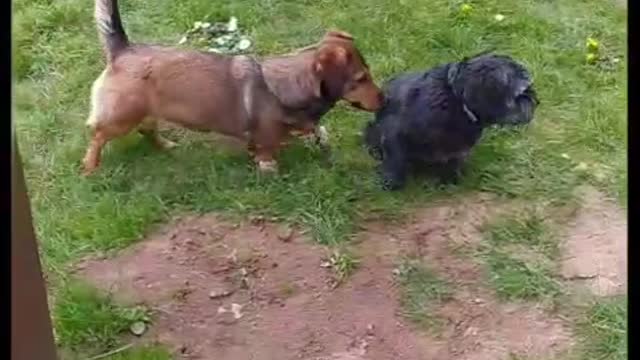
(370, 100)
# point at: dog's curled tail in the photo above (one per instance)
(110, 28)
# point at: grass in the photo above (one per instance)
(527, 228)
(519, 254)
(56, 57)
(142, 353)
(604, 330)
(127, 352)
(89, 321)
(422, 290)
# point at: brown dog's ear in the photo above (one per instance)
(329, 68)
(330, 56)
(338, 34)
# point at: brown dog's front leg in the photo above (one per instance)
(149, 129)
(317, 133)
(267, 142)
(265, 159)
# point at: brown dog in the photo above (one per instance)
(260, 102)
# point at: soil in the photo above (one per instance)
(257, 290)
(595, 249)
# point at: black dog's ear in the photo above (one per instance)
(452, 73)
(531, 92)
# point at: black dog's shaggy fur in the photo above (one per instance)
(431, 120)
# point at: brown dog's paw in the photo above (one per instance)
(268, 166)
(322, 136)
(87, 171)
(89, 166)
(165, 144)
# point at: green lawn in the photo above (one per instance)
(579, 135)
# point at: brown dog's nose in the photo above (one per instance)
(380, 101)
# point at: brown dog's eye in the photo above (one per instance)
(362, 78)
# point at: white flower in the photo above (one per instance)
(582, 166)
(499, 17)
(244, 44)
(233, 24)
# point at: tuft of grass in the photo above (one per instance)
(126, 352)
(519, 254)
(527, 229)
(143, 353)
(604, 330)
(421, 291)
(85, 318)
(515, 279)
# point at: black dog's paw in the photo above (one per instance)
(452, 178)
(390, 184)
(375, 152)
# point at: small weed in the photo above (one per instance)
(422, 289)
(604, 331)
(288, 289)
(342, 263)
(84, 317)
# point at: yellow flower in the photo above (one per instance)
(591, 58)
(592, 44)
(466, 8)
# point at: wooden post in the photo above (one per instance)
(31, 331)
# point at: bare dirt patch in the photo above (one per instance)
(193, 271)
(595, 248)
(476, 325)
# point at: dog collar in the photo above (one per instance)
(470, 114)
(452, 76)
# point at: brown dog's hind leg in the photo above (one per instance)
(101, 134)
(91, 159)
(114, 113)
(105, 130)
(149, 129)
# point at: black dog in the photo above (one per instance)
(431, 120)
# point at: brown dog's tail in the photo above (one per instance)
(110, 28)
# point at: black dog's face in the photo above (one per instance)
(497, 90)
(520, 110)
